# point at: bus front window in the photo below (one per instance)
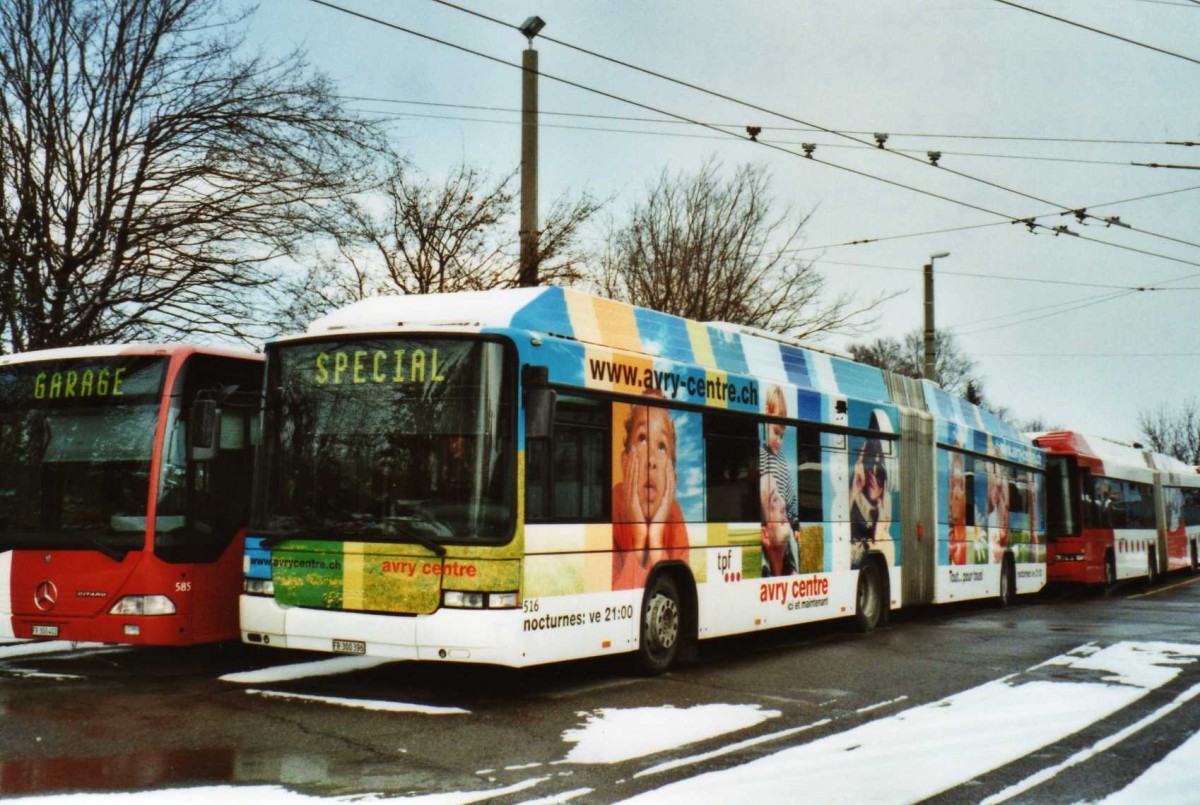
(404, 439)
(76, 439)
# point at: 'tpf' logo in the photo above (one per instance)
(45, 596)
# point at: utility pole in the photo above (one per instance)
(528, 276)
(930, 333)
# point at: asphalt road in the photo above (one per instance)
(1059, 699)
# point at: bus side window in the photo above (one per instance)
(567, 475)
(969, 488)
(811, 485)
(731, 449)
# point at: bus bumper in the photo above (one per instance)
(158, 630)
(477, 636)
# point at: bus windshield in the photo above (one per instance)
(76, 439)
(391, 439)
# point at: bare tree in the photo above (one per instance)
(953, 369)
(149, 171)
(711, 249)
(415, 234)
(1174, 431)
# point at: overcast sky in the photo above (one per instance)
(1008, 84)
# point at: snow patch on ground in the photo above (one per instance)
(12, 672)
(304, 670)
(1142, 665)
(266, 795)
(17, 650)
(925, 750)
(364, 704)
(612, 736)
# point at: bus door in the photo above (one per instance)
(918, 474)
(204, 487)
(918, 490)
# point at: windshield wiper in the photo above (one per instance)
(414, 538)
(272, 537)
(111, 551)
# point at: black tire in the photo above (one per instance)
(1152, 575)
(1110, 571)
(1008, 582)
(868, 601)
(662, 633)
(1195, 560)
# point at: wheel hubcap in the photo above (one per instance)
(662, 623)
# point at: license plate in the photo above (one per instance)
(349, 647)
(40, 630)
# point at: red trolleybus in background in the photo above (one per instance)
(124, 485)
(534, 475)
(1116, 511)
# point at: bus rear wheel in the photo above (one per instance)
(868, 602)
(1008, 582)
(1195, 560)
(662, 626)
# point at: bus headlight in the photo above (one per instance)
(143, 605)
(458, 599)
(258, 587)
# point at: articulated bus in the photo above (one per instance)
(125, 476)
(534, 475)
(1117, 511)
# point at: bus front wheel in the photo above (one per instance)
(662, 626)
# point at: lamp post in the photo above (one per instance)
(930, 336)
(528, 276)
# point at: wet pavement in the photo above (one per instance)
(106, 719)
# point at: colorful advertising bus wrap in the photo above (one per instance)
(527, 476)
(1117, 511)
(124, 488)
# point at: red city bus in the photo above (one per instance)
(124, 486)
(1117, 511)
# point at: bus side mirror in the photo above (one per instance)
(203, 430)
(540, 405)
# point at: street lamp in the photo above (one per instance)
(930, 339)
(528, 272)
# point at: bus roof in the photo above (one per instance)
(599, 326)
(1111, 453)
(111, 350)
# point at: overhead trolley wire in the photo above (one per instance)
(740, 126)
(1125, 39)
(1066, 209)
(865, 241)
(725, 136)
(1029, 222)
